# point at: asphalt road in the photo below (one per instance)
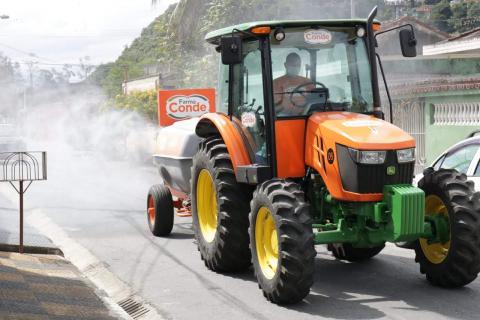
(101, 204)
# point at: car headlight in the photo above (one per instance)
(368, 156)
(406, 155)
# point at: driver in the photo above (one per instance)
(284, 86)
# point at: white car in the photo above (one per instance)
(464, 157)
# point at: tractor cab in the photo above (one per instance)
(275, 75)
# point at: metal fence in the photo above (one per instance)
(456, 114)
(409, 115)
(23, 166)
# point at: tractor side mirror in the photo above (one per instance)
(408, 43)
(231, 47)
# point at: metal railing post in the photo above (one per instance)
(21, 216)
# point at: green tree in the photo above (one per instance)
(441, 14)
(458, 20)
(474, 14)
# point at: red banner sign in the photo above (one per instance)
(181, 104)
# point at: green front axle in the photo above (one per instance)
(399, 217)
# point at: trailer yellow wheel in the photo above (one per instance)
(266, 242)
(435, 252)
(207, 205)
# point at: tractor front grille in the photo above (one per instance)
(371, 178)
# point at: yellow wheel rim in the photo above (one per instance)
(206, 205)
(266, 242)
(435, 252)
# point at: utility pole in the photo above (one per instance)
(30, 65)
(125, 79)
(352, 9)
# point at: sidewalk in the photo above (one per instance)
(45, 287)
(41, 286)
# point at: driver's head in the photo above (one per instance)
(293, 64)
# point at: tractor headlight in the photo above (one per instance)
(406, 155)
(368, 156)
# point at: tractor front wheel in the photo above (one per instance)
(281, 241)
(454, 261)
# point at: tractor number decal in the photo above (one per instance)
(330, 156)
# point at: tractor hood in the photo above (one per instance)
(360, 131)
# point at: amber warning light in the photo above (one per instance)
(261, 30)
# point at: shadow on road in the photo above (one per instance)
(343, 290)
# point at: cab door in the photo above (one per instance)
(246, 105)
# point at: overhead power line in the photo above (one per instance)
(61, 64)
(30, 54)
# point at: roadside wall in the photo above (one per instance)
(437, 113)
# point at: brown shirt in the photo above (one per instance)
(288, 83)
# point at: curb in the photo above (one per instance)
(7, 247)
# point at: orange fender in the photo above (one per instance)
(217, 123)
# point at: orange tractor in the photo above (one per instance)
(299, 154)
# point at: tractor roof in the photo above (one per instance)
(214, 36)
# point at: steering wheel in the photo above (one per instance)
(303, 92)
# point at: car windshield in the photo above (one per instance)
(324, 69)
(460, 159)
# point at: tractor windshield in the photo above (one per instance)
(324, 69)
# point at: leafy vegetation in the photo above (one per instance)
(144, 103)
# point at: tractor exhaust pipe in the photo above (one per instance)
(377, 108)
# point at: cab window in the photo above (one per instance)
(331, 73)
(222, 89)
(248, 100)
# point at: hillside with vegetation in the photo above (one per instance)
(175, 40)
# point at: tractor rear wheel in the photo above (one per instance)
(345, 251)
(219, 209)
(160, 210)
(281, 241)
(454, 262)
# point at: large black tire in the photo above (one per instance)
(461, 263)
(160, 210)
(345, 251)
(291, 280)
(228, 251)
